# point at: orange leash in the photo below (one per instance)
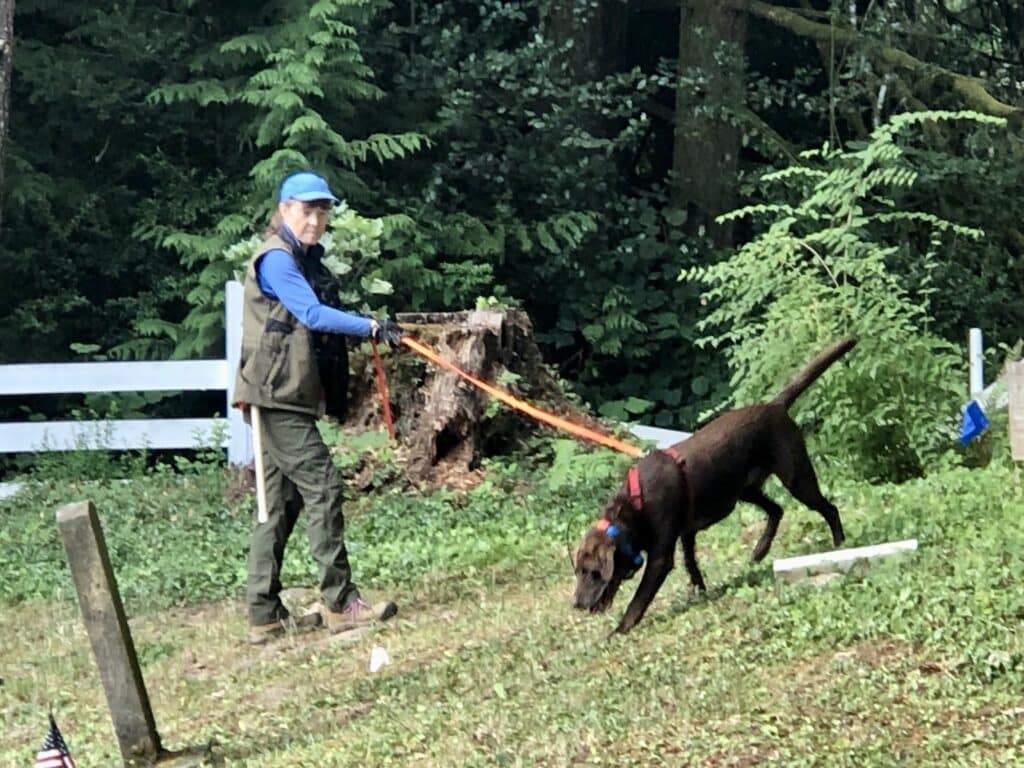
(519, 405)
(382, 388)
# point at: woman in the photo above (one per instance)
(293, 367)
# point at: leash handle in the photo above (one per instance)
(382, 388)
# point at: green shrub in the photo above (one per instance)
(821, 270)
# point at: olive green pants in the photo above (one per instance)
(299, 474)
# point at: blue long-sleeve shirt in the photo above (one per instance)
(279, 278)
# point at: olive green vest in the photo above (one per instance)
(278, 367)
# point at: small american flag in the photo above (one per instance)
(54, 753)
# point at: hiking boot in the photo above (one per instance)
(358, 613)
(264, 633)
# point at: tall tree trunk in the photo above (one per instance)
(707, 145)
(6, 49)
(598, 35)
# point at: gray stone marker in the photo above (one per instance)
(111, 639)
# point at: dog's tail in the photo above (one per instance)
(813, 370)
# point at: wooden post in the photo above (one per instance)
(108, 631)
(1015, 391)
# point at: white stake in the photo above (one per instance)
(976, 362)
(261, 478)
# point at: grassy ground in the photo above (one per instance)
(919, 663)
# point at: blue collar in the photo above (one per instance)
(626, 555)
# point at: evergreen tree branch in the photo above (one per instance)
(972, 90)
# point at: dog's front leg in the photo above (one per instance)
(689, 540)
(654, 574)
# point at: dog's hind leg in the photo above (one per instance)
(774, 512)
(689, 542)
(797, 474)
(654, 575)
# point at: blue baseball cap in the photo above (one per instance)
(305, 186)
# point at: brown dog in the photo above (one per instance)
(673, 494)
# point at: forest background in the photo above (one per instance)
(688, 198)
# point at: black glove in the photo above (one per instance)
(389, 331)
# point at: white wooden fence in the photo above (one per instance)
(229, 432)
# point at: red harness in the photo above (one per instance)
(636, 494)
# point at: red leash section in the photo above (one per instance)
(382, 389)
(543, 416)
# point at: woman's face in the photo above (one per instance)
(307, 220)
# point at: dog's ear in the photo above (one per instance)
(606, 557)
(583, 557)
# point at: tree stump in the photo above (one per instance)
(444, 425)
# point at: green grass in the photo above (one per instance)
(919, 663)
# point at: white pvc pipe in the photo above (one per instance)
(838, 560)
(977, 380)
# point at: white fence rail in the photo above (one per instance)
(229, 432)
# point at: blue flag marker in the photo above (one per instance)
(974, 422)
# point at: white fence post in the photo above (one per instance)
(976, 361)
(239, 434)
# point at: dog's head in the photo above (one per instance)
(603, 561)
(596, 580)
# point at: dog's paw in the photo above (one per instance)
(623, 627)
